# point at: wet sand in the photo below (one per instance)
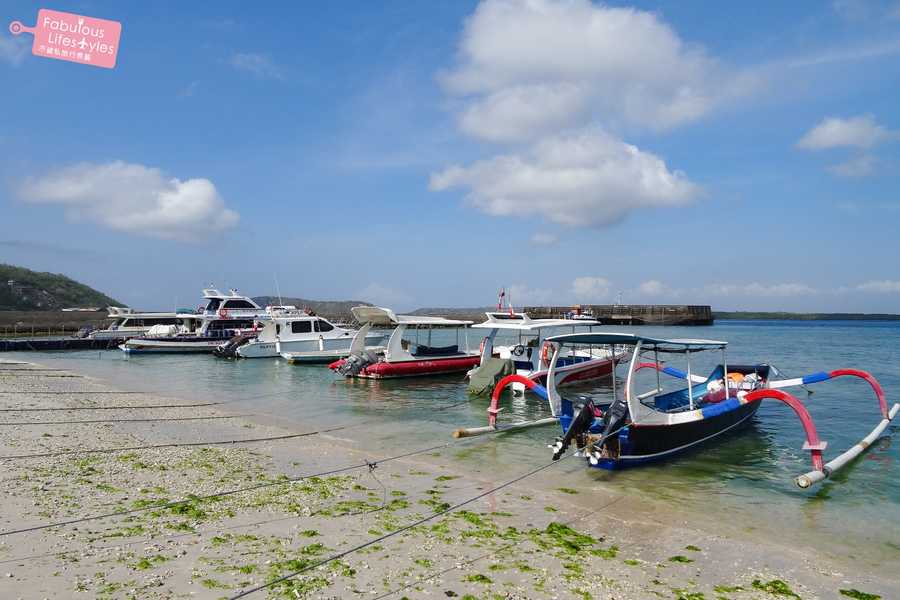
(518, 542)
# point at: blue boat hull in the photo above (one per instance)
(640, 445)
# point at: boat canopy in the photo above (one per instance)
(630, 339)
(522, 322)
(377, 315)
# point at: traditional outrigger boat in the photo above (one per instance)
(637, 428)
(410, 351)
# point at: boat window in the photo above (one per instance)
(237, 304)
(213, 304)
(230, 324)
(323, 325)
(277, 329)
(160, 321)
(301, 326)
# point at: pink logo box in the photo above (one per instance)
(66, 36)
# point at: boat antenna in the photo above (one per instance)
(277, 290)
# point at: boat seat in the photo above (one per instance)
(435, 350)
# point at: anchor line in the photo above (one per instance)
(391, 534)
(487, 554)
(176, 444)
(146, 406)
(365, 464)
(146, 420)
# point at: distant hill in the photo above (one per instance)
(789, 316)
(24, 289)
(328, 308)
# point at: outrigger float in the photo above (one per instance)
(638, 428)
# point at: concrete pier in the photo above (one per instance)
(629, 314)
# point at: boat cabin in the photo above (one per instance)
(230, 304)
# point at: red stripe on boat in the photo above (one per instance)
(411, 368)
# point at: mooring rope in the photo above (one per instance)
(365, 464)
(56, 392)
(176, 444)
(141, 407)
(459, 565)
(146, 420)
(391, 534)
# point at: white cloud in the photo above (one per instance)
(834, 132)
(885, 286)
(135, 199)
(759, 289)
(385, 296)
(654, 288)
(860, 166)
(13, 50)
(853, 10)
(189, 90)
(528, 67)
(859, 208)
(582, 180)
(257, 64)
(588, 289)
(544, 239)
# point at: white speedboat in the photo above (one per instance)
(299, 336)
(126, 323)
(410, 350)
(523, 350)
(223, 317)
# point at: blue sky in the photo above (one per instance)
(426, 154)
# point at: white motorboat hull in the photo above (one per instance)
(323, 356)
(338, 347)
(170, 345)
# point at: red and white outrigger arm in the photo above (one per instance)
(772, 390)
(821, 473)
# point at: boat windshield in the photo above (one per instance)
(435, 341)
(213, 304)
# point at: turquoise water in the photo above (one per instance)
(743, 482)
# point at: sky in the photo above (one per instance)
(426, 154)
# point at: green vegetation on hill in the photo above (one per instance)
(24, 289)
(335, 308)
(788, 316)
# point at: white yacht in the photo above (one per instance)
(222, 317)
(299, 336)
(127, 323)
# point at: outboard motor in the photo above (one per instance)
(355, 363)
(579, 426)
(229, 348)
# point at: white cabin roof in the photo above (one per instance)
(522, 322)
(377, 315)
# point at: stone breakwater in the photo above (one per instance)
(177, 536)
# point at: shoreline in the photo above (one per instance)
(519, 542)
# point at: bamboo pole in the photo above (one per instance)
(474, 431)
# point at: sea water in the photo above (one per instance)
(742, 481)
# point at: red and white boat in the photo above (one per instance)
(517, 343)
(411, 350)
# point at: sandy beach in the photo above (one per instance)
(213, 520)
